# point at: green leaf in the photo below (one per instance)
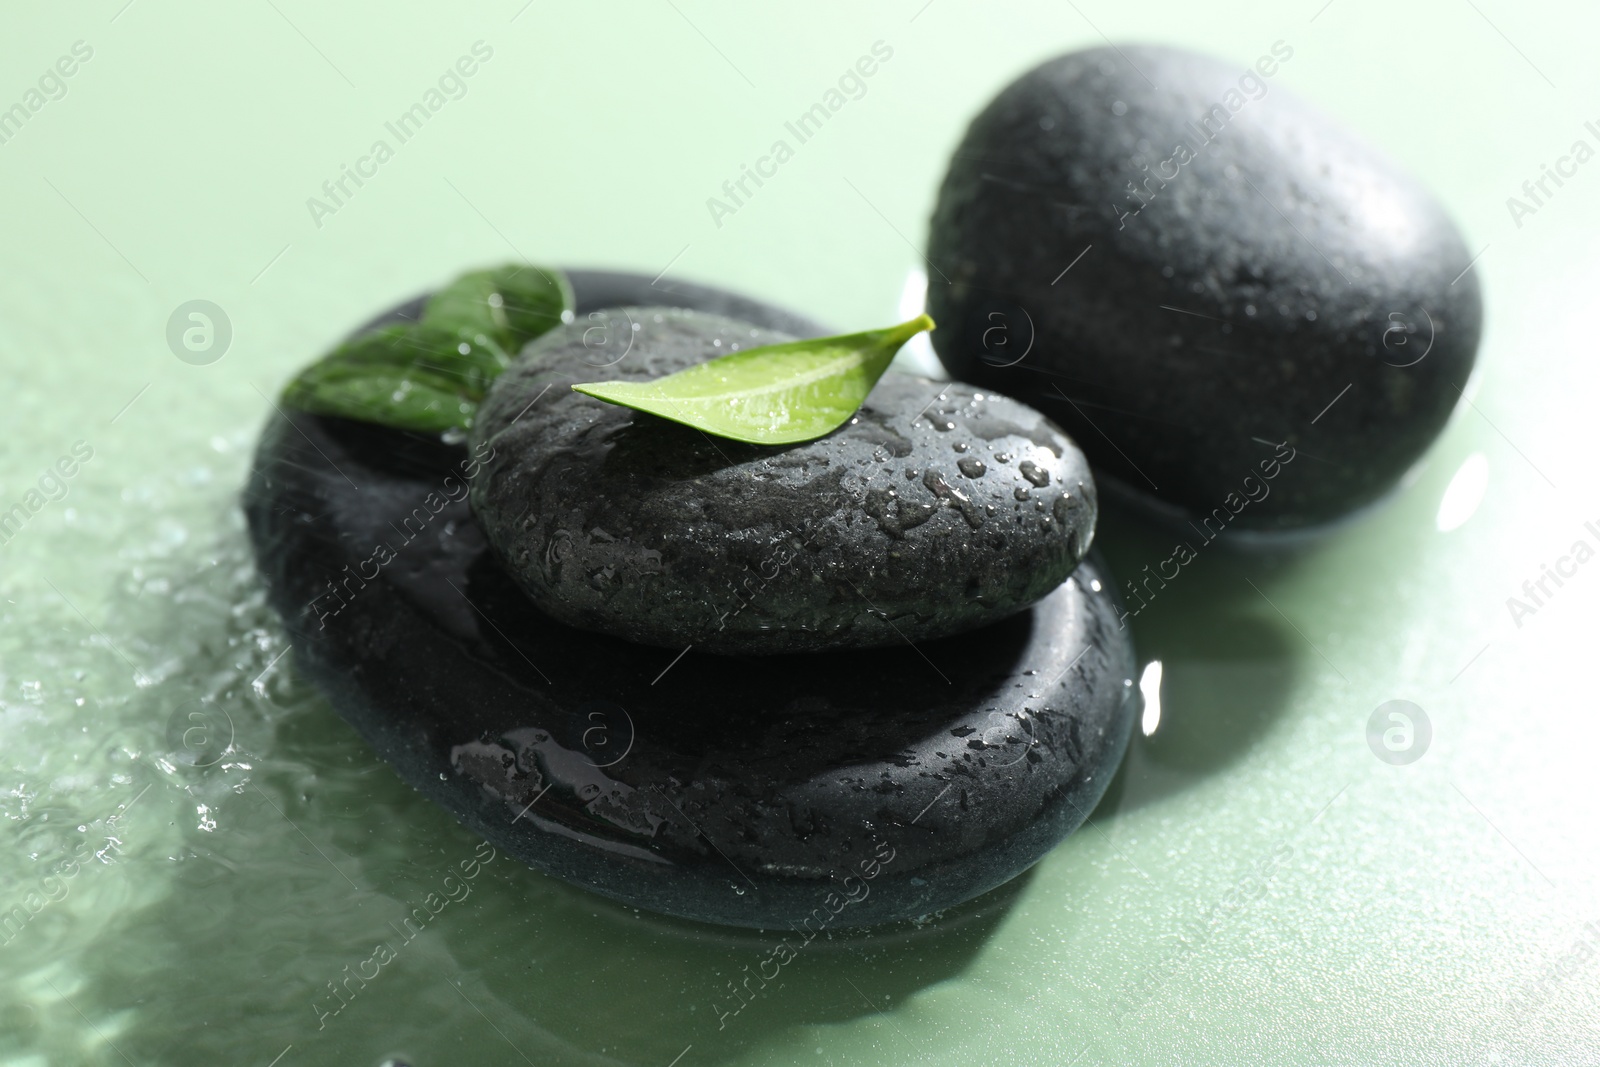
(412, 377)
(510, 305)
(431, 375)
(772, 395)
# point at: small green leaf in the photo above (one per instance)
(510, 305)
(432, 374)
(773, 395)
(411, 377)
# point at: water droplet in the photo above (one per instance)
(954, 497)
(1021, 492)
(1002, 457)
(960, 446)
(1034, 473)
(893, 515)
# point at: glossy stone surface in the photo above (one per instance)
(812, 792)
(1264, 277)
(936, 509)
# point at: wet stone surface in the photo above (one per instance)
(1251, 276)
(801, 793)
(903, 525)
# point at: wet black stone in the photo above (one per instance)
(905, 524)
(1287, 261)
(736, 790)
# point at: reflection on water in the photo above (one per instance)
(1219, 664)
(1464, 494)
(319, 886)
(1150, 689)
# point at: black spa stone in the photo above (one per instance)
(814, 792)
(938, 508)
(1251, 274)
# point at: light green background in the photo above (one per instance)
(1258, 887)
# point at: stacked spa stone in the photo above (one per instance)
(707, 678)
(936, 509)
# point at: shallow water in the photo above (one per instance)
(1257, 887)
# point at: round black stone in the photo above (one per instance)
(934, 510)
(806, 792)
(1251, 275)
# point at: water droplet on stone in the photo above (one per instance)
(953, 497)
(971, 467)
(1034, 473)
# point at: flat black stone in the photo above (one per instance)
(726, 789)
(936, 509)
(1288, 284)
